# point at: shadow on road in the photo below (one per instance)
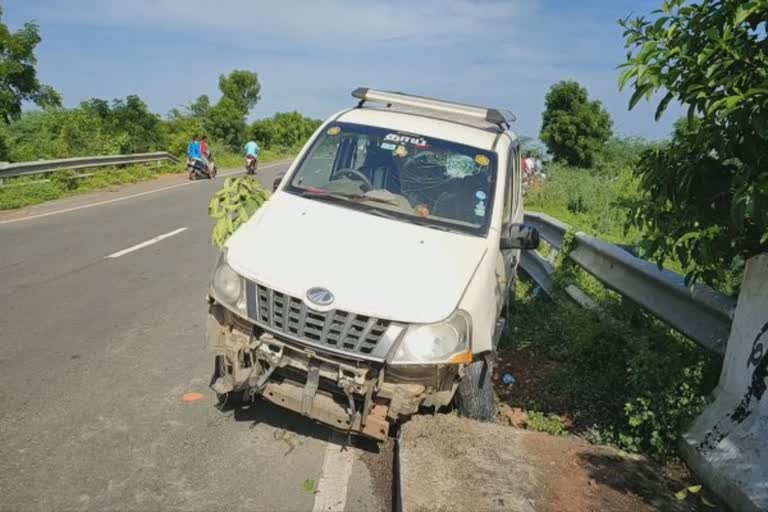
(264, 412)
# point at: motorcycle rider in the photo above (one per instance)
(193, 150)
(252, 151)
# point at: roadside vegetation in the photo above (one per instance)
(618, 377)
(622, 377)
(696, 203)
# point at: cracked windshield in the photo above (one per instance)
(421, 177)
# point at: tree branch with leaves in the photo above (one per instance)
(705, 194)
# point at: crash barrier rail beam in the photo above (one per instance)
(698, 312)
(47, 166)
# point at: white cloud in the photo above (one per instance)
(310, 53)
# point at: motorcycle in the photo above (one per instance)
(251, 164)
(197, 168)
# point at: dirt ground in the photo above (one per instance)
(451, 463)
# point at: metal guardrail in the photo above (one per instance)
(46, 166)
(700, 313)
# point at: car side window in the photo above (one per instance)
(517, 192)
(510, 186)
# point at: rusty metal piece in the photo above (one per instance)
(325, 410)
(310, 389)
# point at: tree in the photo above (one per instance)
(226, 122)
(574, 128)
(200, 107)
(242, 88)
(18, 77)
(141, 127)
(285, 129)
(239, 94)
(705, 196)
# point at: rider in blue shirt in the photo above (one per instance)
(252, 149)
(193, 150)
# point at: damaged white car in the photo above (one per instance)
(373, 283)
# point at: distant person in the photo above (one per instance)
(251, 157)
(193, 150)
(205, 154)
(530, 164)
(252, 149)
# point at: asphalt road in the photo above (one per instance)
(97, 351)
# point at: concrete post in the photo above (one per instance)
(727, 446)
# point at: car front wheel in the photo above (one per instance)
(476, 397)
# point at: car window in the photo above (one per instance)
(416, 175)
(317, 166)
(509, 185)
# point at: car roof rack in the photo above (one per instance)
(492, 115)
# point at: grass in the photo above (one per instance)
(23, 191)
(616, 375)
(622, 378)
(594, 201)
(549, 423)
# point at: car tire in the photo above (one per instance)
(231, 400)
(476, 397)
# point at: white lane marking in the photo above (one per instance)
(117, 199)
(331, 493)
(149, 242)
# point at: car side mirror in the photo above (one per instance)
(277, 181)
(520, 236)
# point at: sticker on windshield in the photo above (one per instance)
(480, 208)
(419, 142)
(401, 152)
(334, 130)
(388, 146)
(482, 160)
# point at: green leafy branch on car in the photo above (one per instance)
(233, 205)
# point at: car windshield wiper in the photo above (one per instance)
(322, 193)
(421, 221)
(381, 213)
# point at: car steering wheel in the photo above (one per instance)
(356, 174)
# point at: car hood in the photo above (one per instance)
(373, 266)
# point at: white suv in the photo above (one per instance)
(373, 282)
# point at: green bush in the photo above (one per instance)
(283, 130)
(637, 387)
(93, 128)
(590, 200)
(549, 423)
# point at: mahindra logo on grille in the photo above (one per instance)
(319, 296)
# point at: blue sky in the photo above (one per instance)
(310, 54)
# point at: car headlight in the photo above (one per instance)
(228, 287)
(444, 342)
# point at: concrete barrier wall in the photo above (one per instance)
(727, 446)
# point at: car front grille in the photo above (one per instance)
(336, 330)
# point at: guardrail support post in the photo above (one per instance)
(727, 446)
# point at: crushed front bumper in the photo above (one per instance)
(348, 394)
